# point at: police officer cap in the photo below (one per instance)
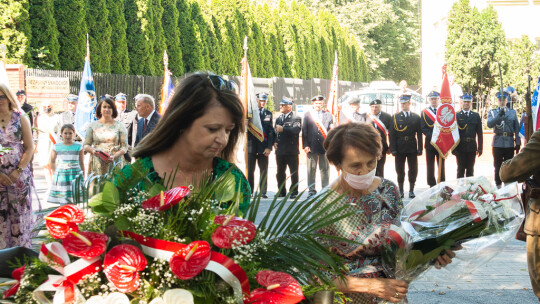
(375, 102)
(509, 89)
(405, 98)
(102, 97)
(317, 98)
(466, 97)
(354, 100)
(262, 96)
(72, 98)
(434, 94)
(504, 95)
(20, 92)
(286, 101)
(120, 97)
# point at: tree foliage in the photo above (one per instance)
(99, 32)
(44, 43)
(119, 48)
(70, 18)
(139, 32)
(16, 32)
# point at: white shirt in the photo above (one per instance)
(150, 116)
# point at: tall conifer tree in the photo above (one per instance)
(99, 31)
(140, 47)
(119, 48)
(70, 18)
(172, 36)
(16, 32)
(44, 43)
(159, 40)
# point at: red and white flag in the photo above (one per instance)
(249, 99)
(332, 105)
(445, 130)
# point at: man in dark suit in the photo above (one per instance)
(145, 106)
(288, 126)
(381, 121)
(128, 118)
(406, 143)
(470, 128)
(258, 151)
(429, 117)
(317, 123)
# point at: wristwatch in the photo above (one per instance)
(20, 169)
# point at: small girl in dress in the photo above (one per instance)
(67, 161)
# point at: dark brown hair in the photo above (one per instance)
(67, 126)
(356, 135)
(111, 103)
(190, 101)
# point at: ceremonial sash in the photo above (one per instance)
(430, 114)
(379, 123)
(318, 123)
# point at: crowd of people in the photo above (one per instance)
(199, 131)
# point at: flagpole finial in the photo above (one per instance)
(87, 46)
(165, 60)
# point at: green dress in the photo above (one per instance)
(220, 167)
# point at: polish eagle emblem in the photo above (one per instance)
(446, 115)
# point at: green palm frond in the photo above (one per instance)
(291, 229)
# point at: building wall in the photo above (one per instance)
(517, 17)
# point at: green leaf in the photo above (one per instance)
(227, 189)
(96, 200)
(122, 223)
(156, 189)
(110, 194)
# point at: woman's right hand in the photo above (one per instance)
(5, 180)
(389, 289)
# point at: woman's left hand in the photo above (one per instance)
(446, 257)
(111, 159)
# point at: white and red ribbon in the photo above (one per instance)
(64, 285)
(318, 123)
(430, 114)
(220, 264)
(379, 123)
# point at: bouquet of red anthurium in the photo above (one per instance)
(137, 242)
(450, 215)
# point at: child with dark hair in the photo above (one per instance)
(67, 161)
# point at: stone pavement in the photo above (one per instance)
(504, 279)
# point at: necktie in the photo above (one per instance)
(467, 114)
(144, 126)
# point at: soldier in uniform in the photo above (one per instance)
(506, 139)
(381, 121)
(406, 143)
(429, 117)
(525, 166)
(128, 118)
(288, 126)
(470, 129)
(317, 123)
(68, 117)
(258, 151)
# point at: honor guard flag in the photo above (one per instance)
(247, 95)
(332, 105)
(445, 131)
(534, 107)
(167, 90)
(86, 107)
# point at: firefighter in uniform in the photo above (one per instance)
(288, 126)
(470, 137)
(429, 117)
(506, 138)
(406, 143)
(258, 151)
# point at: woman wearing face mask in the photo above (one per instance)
(353, 149)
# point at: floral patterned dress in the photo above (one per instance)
(16, 220)
(109, 138)
(375, 212)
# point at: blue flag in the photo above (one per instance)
(86, 107)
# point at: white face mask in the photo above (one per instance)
(359, 182)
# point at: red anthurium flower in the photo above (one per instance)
(122, 265)
(17, 275)
(166, 200)
(63, 220)
(190, 260)
(85, 244)
(234, 231)
(280, 288)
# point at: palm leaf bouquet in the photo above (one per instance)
(469, 213)
(126, 239)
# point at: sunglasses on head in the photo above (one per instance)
(221, 84)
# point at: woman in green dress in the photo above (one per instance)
(197, 135)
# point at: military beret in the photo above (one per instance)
(120, 97)
(434, 94)
(405, 98)
(286, 101)
(72, 98)
(20, 92)
(317, 98)
(375, 102)
(466, 97)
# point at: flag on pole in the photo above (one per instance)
(247, 95)
(332, 105)
(86, 107)
(167, 90)
(445, 131)
(534, 108)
